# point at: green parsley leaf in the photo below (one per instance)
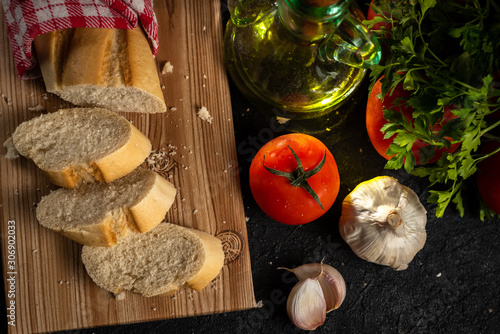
(446, 53)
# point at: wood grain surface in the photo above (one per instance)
(51, 290)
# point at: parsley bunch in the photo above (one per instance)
(447, 53)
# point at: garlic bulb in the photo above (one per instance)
(384, 222)
(321, 289)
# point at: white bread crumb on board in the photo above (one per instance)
(12, 152)
(37, 108)
(205, 115)
(167, 68)
(120, 296)
(6, 99)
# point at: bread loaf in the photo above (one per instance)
(79, 145)
(95, 67)
(157, 262)
(99, 214)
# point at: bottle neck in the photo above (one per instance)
(312, 20)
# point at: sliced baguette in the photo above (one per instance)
(95, 67)
(99, 214)
(79, 145)
(157, 262)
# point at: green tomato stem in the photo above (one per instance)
(298, 178)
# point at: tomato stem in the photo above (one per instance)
(298, 178)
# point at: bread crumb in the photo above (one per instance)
(6, 99)
(34, 250)
(259, 304)
(186, 77)
(173, 108)
(12, 152)
(154, 309)
(120, 296)
(162, 86)
(247, 219)
(194, 211)
(60, 282)
(167, 68)
(204, 115)
(36, 109)
(44, 96)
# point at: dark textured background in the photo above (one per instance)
(452, 285)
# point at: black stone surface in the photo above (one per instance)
(452, 285)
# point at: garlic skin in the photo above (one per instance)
(384, 222)
(306, 305)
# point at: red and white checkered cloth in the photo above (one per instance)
(28, 18)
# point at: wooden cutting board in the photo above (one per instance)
(50, 289)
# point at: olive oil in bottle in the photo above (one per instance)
(291, 58)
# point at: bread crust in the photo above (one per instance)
(214, 260)
(143, 71)
(152, 208)
(126, 158)
(72, 60)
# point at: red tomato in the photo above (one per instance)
(371, 15)
(375, 120)
(276, 196)
(488, 182)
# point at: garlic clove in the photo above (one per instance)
(306, 304)
(329, 278)
(384, 222)
(333, 286)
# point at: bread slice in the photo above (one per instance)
(79, 145)
(96, 67)
(99, 214)
(157, 262)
